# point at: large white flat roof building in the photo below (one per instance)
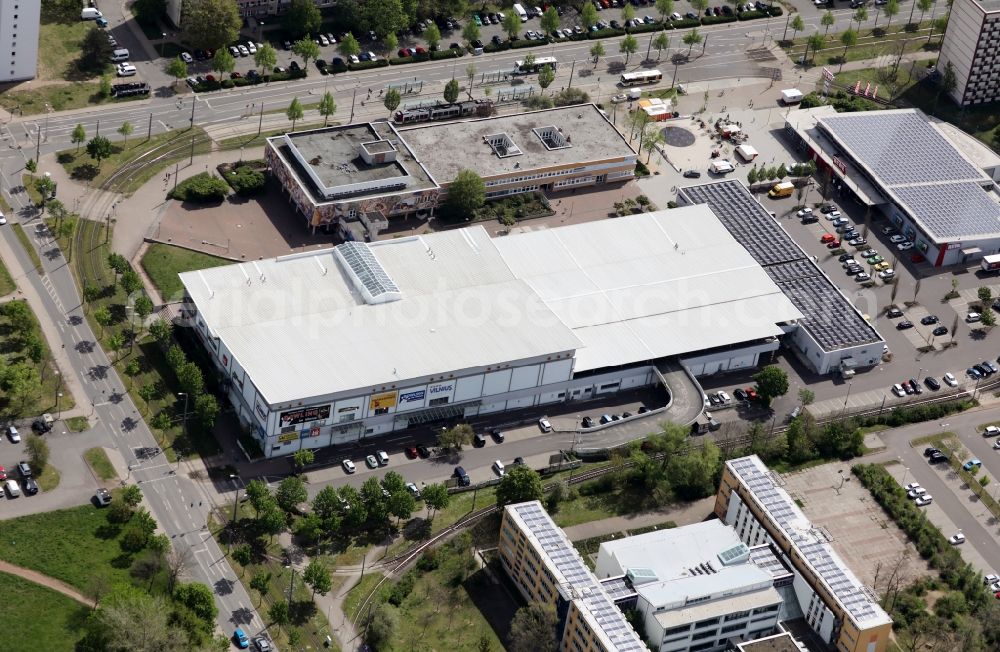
(380, 336)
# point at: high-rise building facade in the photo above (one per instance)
(972, 46)
(19, 20)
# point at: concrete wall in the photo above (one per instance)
(19, 24)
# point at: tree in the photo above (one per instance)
(131, 282)
(947, 83)
(781, 172)
(126, 130)
(260, 582)
(303, 458)
(223, 62)
(38, 452)
(301, 18)
(278, 613)
(466, 194)
(178, 560)
(433, 36)
(661, 42)
(349, 45)
(307, 49)
(470, 32)
(327, 107)
(384, 621)
(652, 138)
(259, 496)
(520, 484)
(628, 13)
(815, 42)
(317, 576)
(99, 148)
(545, 77)
(597, 51)
(206, 411)
(511, 25)
(828, 20)
(271, 521)
(120, 610)
(628, 46)
(797, 25)
(161, 330)
(890, 9)
(44, 186)
(291, 493)
(384, 16)
(752, 175)
(294, 111)
(924, 6)
(848, 39)
(199, 599)
(988, 318)
(266, 56)
(79, 135)
(806, 396)
(22, 382)
(588, 15)
(116, 343)
(451, 91)
(664, 8)
(103, 317)
(94, 50)
(436, 497)
(985, 295)
(860, 16)
(210, 24)
(772, 382)
(533, 629)
(691, 39)
(176, 68)
(143, 307)
(470, 74)
(391, 42)
(550, 20)
(392, 100)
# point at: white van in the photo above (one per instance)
(125, 70)
(121, 54)
(521, 12)
(13, 491)
(90, 13)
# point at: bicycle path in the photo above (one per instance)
(46, 581)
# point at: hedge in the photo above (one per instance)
(207, 86)
(368, 65)
(245, 180)
(450, 53)
(202, 187)
(715, 20)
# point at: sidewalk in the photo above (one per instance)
(694, 512)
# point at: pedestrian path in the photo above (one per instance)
(46, 581)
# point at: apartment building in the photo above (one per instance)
(972, 46)
(547, 569)
(836, 605)
(19, 22)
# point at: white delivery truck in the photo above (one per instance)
(991, 263)
(89, 13)
(521, 12)
(791, 96)
(721, 167)
(746, 152)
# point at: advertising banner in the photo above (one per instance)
(415, 396)
(288, 437)
(381, 401)
(304, 415)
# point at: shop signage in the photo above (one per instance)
(293, 417)
(382, 401)
(412, 397)
(288, 437)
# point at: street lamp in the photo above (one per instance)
(185, 417)
(58, 410)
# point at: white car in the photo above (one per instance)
(499, 468)
(618, 99)
(991, 431)
(322, 40)
(348, 466)
(840, 221)
(354, 58)
(956, 539)
(13, 434)
(832, 215)
(887, 274)
(544, 424)
(973, 317)
(924, 500)
(186, 58)
(244, 52)
(915, 493)
(251, 47)
(896, 239)
(996, 445)
(950, 379)
(912, 485)
(904, 246)
(898, 390)
(3, 220)
(804, 212)
(991, 579)
(125, 70)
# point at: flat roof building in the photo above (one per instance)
(912, 170)
(547, 569)
(837, 606)
(20, 22)
(366, 174)
(698, 586)
(331, 346)
(971, 45)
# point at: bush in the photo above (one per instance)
(714, 20)
(428, 561)
(202, 187)
(402, 589)
(451, 53)
(367, 65)
(245, 180)
(570, 96)
(539, 102)
(750, 15)
(684, 24)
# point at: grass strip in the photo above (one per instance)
(98, 460)
(30, 250)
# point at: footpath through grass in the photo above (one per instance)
(163, 263)
(41, 617)
(170, 147)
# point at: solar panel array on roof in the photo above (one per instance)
(617, 588)
(828, 315)
(845, 587)
(953, 210)
(900, 147)
(748, 221)
(582, 584)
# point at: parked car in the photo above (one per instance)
(974, 463)
(939, 331)
(904, 246)
(13, 435)
(903, 325)
(893, 313)
(544, 425)
(587, 422)
(241, 639)
(958, 538)
(423, 451)
(348, 466)
(950, 379)
(932, 383)
(692, 174)
(924, 500)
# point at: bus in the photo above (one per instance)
(640, 77)
(521, 69)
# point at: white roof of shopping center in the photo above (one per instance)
(362, 315)
(648, 286)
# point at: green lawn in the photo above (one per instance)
(61, 97)
(869, 45)
(49, 478)
(67, 544)
(22, 237)
(164, 262)
(253, 140)
(77, 424)
(7, 284)
(98, 460)
(57, 60)
(360, 591)
(177, 144)
(42, 617)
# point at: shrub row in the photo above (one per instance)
(917, 413)
(202, 187)
(244, 81)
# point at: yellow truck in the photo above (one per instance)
(781, 189)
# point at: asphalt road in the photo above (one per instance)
(179, 505)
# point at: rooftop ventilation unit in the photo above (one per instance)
(502, 145)
(552, 137)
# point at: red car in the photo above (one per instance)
(3, 473)
(827, 237)
(209, 78)
(751, 393)
(421, 51)
(404, 52)
(235, 75)
(833, 245)
(411, 452)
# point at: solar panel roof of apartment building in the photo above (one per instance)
(829, 316)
